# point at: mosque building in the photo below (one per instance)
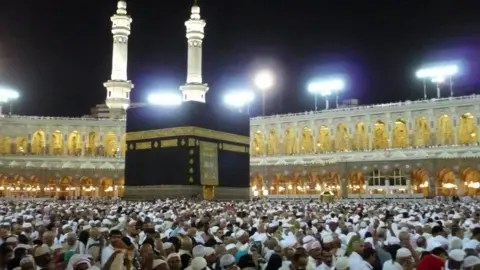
(413, 148)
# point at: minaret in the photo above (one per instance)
(194, 89)
(119, 87)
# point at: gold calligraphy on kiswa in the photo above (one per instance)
(143, 145)
(208, 163)
(169, 143)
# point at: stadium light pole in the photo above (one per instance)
(437, 75)
(239, 99)
(7, 95)
(325, 88)
(264, 80)
(165, 99)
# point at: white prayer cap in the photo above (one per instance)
(472, 244)
(26, 260)
(198, 263)
(327, 239)
(198, 251)
(103, 229)
(403, 253)
(12, 239)
(86, 227)
(457, 255)
(227, 260)
(230, 246)
(471, 261)
(158, 262)
(167, 245)
(27, 225)
(342, 263)
(240, 233)
(214, 229)
(209, 251)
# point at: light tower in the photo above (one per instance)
(119, 87)
(194, 89)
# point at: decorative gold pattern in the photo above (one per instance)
(191, 152)
(187, 131)
(191, 161)
(208, 163)
(183, 142)
(190, 180)
(191, 142)
(220, 145)
(190, 170)
(155, 144)
(169, 143)
(234, 148)
(131, 146)
(143, 145)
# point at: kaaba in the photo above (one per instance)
(192, 150)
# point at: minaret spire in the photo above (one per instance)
(194, 89)
(119, 87)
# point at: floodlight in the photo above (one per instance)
(264, 80)
(239, 99)
(325, 88)
(165, 99)
(437, 75)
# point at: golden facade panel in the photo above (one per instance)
(169, 143)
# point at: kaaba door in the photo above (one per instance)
(208, 192)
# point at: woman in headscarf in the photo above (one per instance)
(79, 262)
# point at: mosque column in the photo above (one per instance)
(83, 144)
(455, 133)
(460, 185)
(344, 187)
(432, 187)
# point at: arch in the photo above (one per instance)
(258, 148)
(324, 143)
(56, 143)
(422, 132)
(471, 178)
(123, 144)
(92, 144)
(400, 134)
(257, 185)
(419, 181)
(110, 144)
(74, 144)
(273, 143)
(331, 182)
(341, 137)
(106, 187)
(290, 141)
(360, 137)
(444, 130)
(356, 183)
(21, 145)
(380, 136)
(86, 186)
(38, 142)
(277, 185)
(446, 182)
(467, 129)
(306, 144)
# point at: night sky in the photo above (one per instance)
(57, 53)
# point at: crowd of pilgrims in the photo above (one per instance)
(191, 234)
